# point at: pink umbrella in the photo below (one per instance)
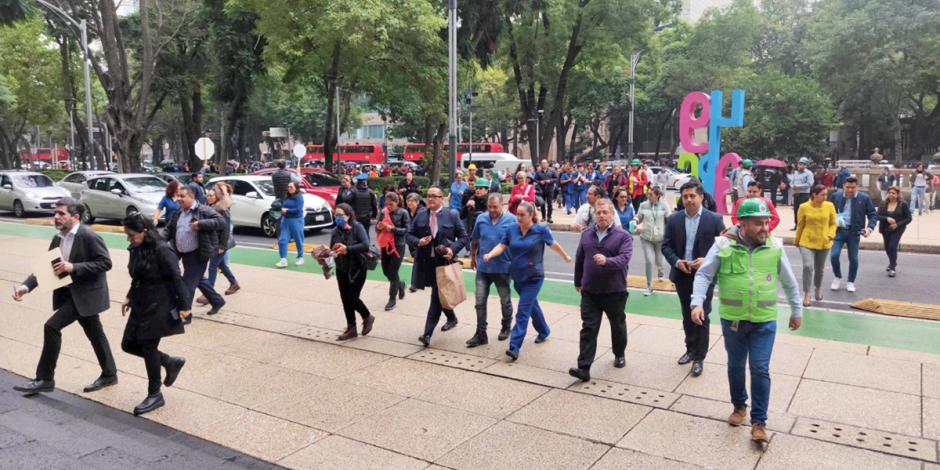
(772, 162)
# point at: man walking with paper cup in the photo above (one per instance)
(78, 268)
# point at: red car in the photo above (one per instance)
(314, 181)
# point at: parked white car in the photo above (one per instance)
(252, 197)
(24, 191)
(117, 195)
(74, 182)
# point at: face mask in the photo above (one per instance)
(341, 221)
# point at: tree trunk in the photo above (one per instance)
(331, 137)
(438, 152)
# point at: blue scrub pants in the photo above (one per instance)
(569, 201)
(528, 290)
(291, 228)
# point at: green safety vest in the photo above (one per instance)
(747, 281)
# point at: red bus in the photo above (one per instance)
(44, 155)
(415, 152)
(359, 153)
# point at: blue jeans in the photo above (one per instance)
(291, 228)
(582, 197)
(528, 290)
(217, 263)
(918, 200)
(570, 198)
(483, 283)
(752, 343)
(843, 237)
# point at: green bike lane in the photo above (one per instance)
(849, 327)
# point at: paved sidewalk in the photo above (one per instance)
(265, 377)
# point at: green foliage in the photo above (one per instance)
(377, 184)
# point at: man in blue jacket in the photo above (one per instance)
(852, 208)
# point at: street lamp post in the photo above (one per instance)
(634, 60)
(452, 88)
(538, 138)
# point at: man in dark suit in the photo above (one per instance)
(85, 259)
(690, 233)
(852, 208)
(439, 234)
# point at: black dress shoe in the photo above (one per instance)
(401, 290)
(478, 339)
(391, 304)
(412, 289)
(504, 333)
(101, 382)
(685, 359)
(620, 362)
(149, 404)
(173, 367)
(449, 324)
(215, 309)
(35, 386)
(580, 374)
(697, 368)
(188, 320)
(512, 354)
(425, 340)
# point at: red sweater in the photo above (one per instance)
(774, 218)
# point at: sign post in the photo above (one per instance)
(299, 151)
(205, 149)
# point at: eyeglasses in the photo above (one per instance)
(436, 196)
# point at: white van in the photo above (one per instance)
(496, 161)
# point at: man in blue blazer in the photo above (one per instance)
(689, 235)
(439, 235)
(852, 208)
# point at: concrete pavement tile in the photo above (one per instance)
(327, 360)
(617, 459)
(340, 453)
(263, 436)
(585, 416)
(787, 358)
(787, 452)
(865, 407)
(209, 373)
(904, 355)
(865, 371)
(713, 384)
(482, 394)
(509, 445)
(455, 340)
(555, 354)
(931, 385)
(642, 369)
(19, 357)
(331, 405)
(719, 410)
(537, 375)
(931, 419)
(418, 428)
(403, 377)
(829, 345)
(713, 444)
(383, 346)
(254, 386)
(658, 340)
(128, 393)
(192, 413)
(668, 323)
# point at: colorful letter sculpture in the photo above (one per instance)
(712, 171)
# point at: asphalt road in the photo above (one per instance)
(64, 431)
(911, 284)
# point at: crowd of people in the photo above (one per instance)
(506, 242)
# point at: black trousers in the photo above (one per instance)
(153, 359)
(548, 195)
(892, 239)
(391, 263)
(593, 308)
(366, 223)
(435, 309)
(350, 286)
(696, 336)
(798, 198)
(194, 270)
(52, 341)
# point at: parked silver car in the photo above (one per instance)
(74, 182)
(117, 195)
(25, 191)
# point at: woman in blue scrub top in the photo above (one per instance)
(526, 242)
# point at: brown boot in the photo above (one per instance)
(738, 416)
(350, 333)
(233, 289)
(366, 325)
(759, 434)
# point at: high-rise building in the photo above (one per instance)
(692, 10)
(126, 7)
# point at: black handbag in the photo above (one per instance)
(370, 259)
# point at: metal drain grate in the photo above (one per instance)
(314, 333)
(446, 358)
(880, 441)
(628, 393)
(227, 317)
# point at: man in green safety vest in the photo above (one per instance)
(749, 264)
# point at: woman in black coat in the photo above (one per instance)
(349, 242)
(157, 301)
(390, 237)
(893, 217)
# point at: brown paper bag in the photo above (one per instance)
(450, 285)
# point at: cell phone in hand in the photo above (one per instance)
(55, 262)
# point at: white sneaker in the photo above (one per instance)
(836, 284)
(282, 263)
(648, 292)
(850, 286)
(299, 262)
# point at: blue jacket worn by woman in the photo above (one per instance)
(294, 205)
